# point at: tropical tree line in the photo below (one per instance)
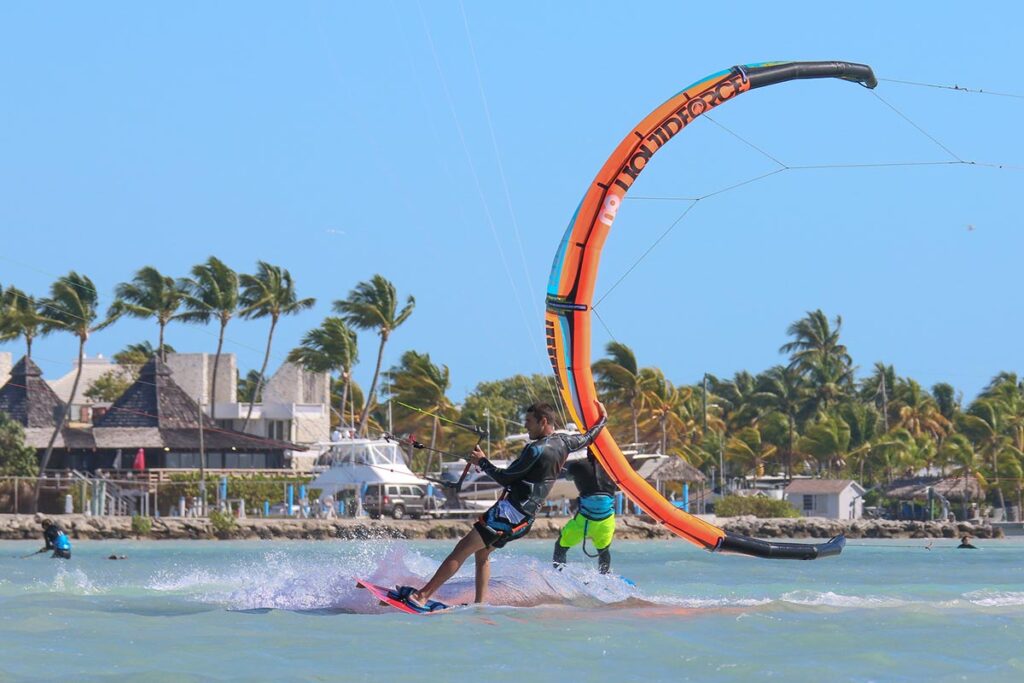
(808, 416)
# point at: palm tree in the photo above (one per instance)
(211, 292)
(747, 449)
(149, 295)
(248, 386)
(138, 354)
(983, 424)
(917, 411)
(738, 399)
(878, 389)
(270, 293)
(958, 451)
(71, 307)
(618, 377)
(666, 406)
(332, 347)
(418, 382)
(817, 354)
(20, 317)
(827, 441)
(374, 305)
(784, 390)
(948, 400)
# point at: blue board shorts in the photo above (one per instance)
(501, 524)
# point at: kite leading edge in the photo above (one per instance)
(574, 272)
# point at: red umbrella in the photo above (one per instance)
(140, 460)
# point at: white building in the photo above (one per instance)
(5, 367)
(295, 405)
(831, 498)
(92, 370)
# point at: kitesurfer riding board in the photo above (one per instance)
(527, 482)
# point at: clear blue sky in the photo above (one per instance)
(343, 140)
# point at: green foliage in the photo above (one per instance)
(141, 526)
(504, 400)
(253, 489)
(16, 459)
(109, 386)
(138, 354)
(223, 523)
(759, 506)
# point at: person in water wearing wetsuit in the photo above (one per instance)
(965, 544)
(595, 514)
(56, 540)
(527, 482)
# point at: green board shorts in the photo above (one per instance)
(601, 533)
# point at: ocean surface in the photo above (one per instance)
(180, 611)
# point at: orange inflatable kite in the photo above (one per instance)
(571, 287)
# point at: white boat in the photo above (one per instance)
(349, 464)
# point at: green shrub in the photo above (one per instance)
(759, 506)
(254, 489)
(223, 523)
(141, 526)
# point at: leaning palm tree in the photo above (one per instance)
(20, 317)
(332, 347)
(71, 307)
(270, 293)
(374, 305)
(211, 292)
(149, 295)
(620, 379)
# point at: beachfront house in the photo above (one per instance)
(294, 405)
(154, 416)
(830, 498)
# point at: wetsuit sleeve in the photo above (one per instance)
(577, 441)
(48, 536)
(519, 468)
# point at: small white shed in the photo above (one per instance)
(831, 498)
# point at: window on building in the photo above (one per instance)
(808, 502)
(280, 430)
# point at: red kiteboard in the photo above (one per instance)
(386, 596)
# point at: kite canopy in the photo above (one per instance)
(574, 273)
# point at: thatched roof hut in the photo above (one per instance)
(28, 399)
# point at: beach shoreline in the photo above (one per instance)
(83, 527)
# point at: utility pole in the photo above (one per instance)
(704, 403)
(487, 412)
(391, 427)
(202, 462)
(885, 402)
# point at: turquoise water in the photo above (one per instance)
(883, 611)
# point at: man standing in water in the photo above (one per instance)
(595, 514)
(527, 482)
